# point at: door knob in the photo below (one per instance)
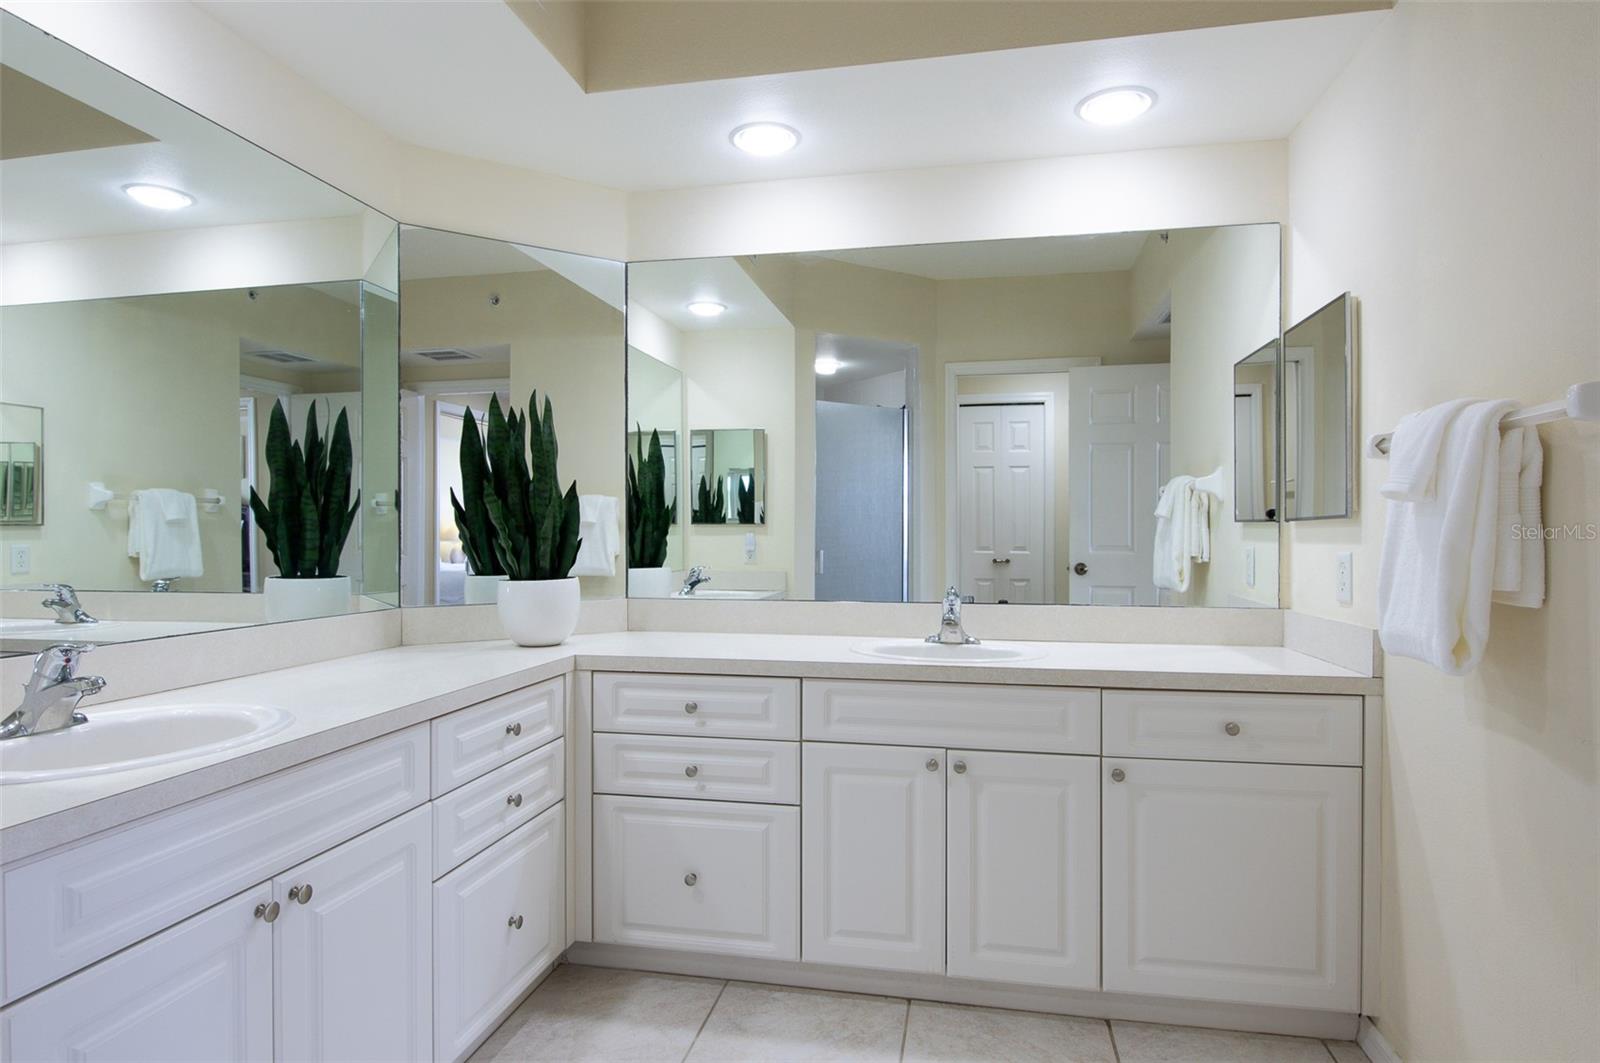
(1231, 728)
(301, 893)
(268, 912)
(1081, 569)
(933, 764)
(1002, 561)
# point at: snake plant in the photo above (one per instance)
(747, 500)
(708, 503)
(650, 516)
(472, 515)
(304, 517)
(535, 525)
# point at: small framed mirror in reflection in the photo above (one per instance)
(1318, 397)
(1255, 435)
(21, 464)
(728, 467)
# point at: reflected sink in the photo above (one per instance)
(120, 739)
(934, 652)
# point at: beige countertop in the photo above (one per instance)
(339, 703)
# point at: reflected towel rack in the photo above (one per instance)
(1581, 404)
(208, 499)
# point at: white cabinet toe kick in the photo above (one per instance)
(1176, 856)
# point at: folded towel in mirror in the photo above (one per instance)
(164, 534)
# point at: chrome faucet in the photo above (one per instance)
(50, 699)
(950, 632)
(64, 602)
(697, 575)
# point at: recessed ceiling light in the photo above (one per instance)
(764, 138)
(1116, 106)
(158, 197)
(827, 365)
(705, 308)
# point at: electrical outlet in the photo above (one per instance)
(21, 559)
(1344, 578)
(1249, 566)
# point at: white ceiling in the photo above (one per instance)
(469, 78)
(666, 288)
(862, 358)
(1045, 256)
(79, 193)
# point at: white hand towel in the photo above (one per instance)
(1414, 451)
(167, 546)
(1437, 571)
(1174, 521)
(1507, 548)
(599, 527)
(1529, 533)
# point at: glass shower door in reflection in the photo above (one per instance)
(862, 495)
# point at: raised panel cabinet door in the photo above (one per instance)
(499, 922)
(1024, 868)
(200, 991)
(354, 949)
(1234, 882)
(872, 856)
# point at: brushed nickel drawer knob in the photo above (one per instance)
(691, 707)
(268, 912)
(690, 879)
(301, 893)
(514, 729)
(692, 770)
(1232, 729)
(515, 922)
(933, 764)
(514, 800)
(1117, 775)
(959, 767)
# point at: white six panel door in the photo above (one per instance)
(1003, 507)
(354, 959)
(1024, 868)
(1235, 882)
(872, 856)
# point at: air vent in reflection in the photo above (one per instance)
(447, 354)
(281, 357)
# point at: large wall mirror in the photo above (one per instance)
(484, 320)
(1000, 416)
(176, 303)
(1318, 400)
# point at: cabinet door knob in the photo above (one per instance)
(301, 893)
(514, 800)
(933, 764)
(515, 922)
(1232, 728)
(690, 879)
(268, 912)
(692, 770)
(691, 707)
(514, 729)
(959, 767)
(1117, 775)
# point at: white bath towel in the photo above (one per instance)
(1414, 451)
(1437, 572)
(1507, 550)
(1527, 534)
(1183, 533)
(164, 534)
(600, 528)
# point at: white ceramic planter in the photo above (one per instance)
(650, 582)
(302, 599)
(481, 590)
(539, 612)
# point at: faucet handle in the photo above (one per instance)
(60, 660)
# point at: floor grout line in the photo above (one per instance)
(905, 1031)
(1112, 1030)
(723, 988)
(1326, 1047)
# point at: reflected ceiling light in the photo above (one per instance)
(827, 365)
(1116, 106)
(158, 197)
(764, 138)
(705, 308)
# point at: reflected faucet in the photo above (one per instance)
(64, 602)
(50, 699)
(950, 632)
(696, 575)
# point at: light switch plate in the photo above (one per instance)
(21, 559)
(1343, 578)
(1249, 566)
(749, 548)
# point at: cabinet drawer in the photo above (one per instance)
(470, 818)
(74, 906)
(1189, 725)
(718, 769)
(478, 739)
(954, 715)
(698, 875)
(484, 960)
(722, 706)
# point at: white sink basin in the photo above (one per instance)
(979, 653)
(120, 739)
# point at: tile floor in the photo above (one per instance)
(609, 1016)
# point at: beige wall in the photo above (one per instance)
(1449, 179)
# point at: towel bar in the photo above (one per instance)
(99, 494)
(1581, 404)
